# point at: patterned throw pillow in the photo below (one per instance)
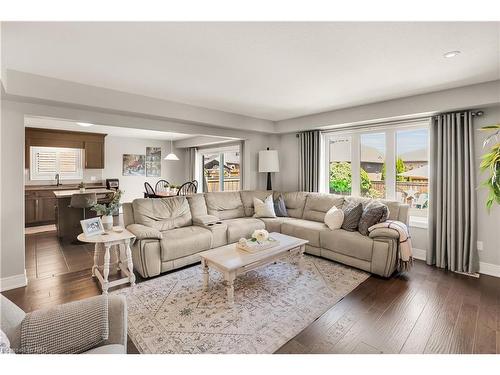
(352, 214)
(280, 207)
(374, 212)
(264, 209)
(5, 344)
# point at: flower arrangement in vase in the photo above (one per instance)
(106, 210)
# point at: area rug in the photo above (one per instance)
(172, 313)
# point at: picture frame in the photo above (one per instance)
(153, 161)
(92, 227)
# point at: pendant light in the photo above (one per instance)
(171, 156)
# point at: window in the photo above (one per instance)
(221, 169)
(46, 162)
(412, 172)
(389, 162)
(372, 165)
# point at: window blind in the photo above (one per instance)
(46, 162)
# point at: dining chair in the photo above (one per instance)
(149, 193)
(161, 186)
(187, 188)
(196, 185)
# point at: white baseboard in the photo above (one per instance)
(484, 268)
(12, 282)
(419, 254)
(489, 269)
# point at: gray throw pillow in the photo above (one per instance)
(280, 207)
(374, 212)
(352, 214)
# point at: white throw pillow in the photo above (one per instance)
(264, 209)
(334, 218)
(4, 344)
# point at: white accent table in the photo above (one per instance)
(105, 241)
(231, 261)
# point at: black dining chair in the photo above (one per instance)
(187, 188)
(161, 186)
(196, 185)
(149, 193)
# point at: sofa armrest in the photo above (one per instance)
(142, 232)
(205, 220)
(384, 232)
(117, 318)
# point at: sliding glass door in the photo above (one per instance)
(221, 169)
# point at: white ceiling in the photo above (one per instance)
(272, 71)
(57, 124)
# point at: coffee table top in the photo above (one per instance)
(229, 257)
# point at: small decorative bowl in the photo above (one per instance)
(118, 229)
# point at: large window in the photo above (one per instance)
(221, 169)
(412, 171)
(46, 162)
(389, 163)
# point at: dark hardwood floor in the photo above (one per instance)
(424, 311)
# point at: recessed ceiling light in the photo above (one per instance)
(450, 54)
(85, 124)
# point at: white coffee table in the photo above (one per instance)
(122, 241)
(231, 261)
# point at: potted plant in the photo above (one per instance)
(81, 186)
(491, 162)
(174, 188)
(106, 210)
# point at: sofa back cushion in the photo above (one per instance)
(197, 205)
(247, 197)
(295, 202)
(318, 204)
(225, 205)
(162, 214)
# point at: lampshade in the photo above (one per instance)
(171, 155)
(268, 161)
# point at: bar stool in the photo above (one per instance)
(83, 201)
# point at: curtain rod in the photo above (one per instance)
(473, 113)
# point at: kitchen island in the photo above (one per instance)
(68, 218)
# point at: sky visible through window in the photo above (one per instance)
(408, 141)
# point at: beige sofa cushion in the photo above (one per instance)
(247, 197)
(295, 202)
(305, 229)
(197, 205)
(273, 224)
(225, 205)
(352, 244)
(318, 204)
(162, 214)
(242, 227)
(181, 242)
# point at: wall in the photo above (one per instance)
(133, 186)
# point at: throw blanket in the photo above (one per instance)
(66, 329)
(405, 257)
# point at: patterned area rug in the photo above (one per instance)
(172, 313)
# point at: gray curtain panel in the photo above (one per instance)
(191, 154)
(309, 163)
(452, 216)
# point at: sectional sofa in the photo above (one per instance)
(170, 232)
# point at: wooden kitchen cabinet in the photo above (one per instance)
(94, 155)
(39, 208)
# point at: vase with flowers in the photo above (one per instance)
(107, 209)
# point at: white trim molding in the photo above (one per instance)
(489, 269)
(484, 268)
(13, 282)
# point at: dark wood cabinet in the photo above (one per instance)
(39, 208)
(94, 155)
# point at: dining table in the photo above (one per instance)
(165, 194)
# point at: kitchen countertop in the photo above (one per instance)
(62, 187)
(69, 193)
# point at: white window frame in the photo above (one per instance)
(35, 176)
(390, 131)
